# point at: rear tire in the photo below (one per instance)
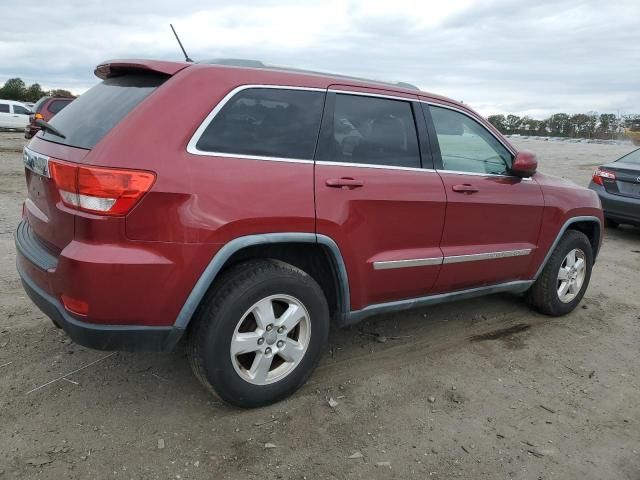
(259, 334)
(565, 278)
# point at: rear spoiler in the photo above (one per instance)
(112, 68)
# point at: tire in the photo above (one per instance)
(544, 295)
(236, 312)
(608, 223)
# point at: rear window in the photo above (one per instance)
(633, 157)
(56, 105)
(87, 119)
(269, 122)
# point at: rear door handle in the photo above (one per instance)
(464, 188)
(346, 183)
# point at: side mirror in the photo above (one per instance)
(524, 165)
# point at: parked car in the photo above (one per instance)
(618, 186)
(45, 109)
(13, 115)
(221, 205)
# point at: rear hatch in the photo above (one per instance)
(53, 164)
(625, 180)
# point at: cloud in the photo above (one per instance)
(496, 55)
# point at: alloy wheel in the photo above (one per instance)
(270, 339)
(571, 275)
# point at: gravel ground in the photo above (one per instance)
(476, 389)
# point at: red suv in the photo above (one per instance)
(248, 209)
(45, 109)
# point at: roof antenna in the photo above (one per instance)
(186, 57)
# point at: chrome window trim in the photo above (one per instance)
(371, 94)
(192, 149)
(367, 165)
(417, 262)
(421, 262)
(191, 146)
(478, 174)
(486, 256)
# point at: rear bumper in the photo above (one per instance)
(37, 268)
(102, 337)
(617, 207)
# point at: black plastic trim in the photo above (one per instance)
(29, 246)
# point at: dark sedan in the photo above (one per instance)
(618, 185)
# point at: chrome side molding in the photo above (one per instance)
(423, 262)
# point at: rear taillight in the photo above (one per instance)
(38, 116)
(601, 174)
(104, 191)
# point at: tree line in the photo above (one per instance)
(16, 89)
(605, 126)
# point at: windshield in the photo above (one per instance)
(87, 119)
(633, 157)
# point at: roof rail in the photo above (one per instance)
(241, 62)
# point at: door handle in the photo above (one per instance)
(346, 183)
(464, 188)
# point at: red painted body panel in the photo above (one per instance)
(140, 269)
(396, 215)
(504, 214)
(563, 200)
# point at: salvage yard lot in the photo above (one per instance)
(476, 389)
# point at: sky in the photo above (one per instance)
(498, 56)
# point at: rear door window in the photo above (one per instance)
(4, 108)
(372, 130)
(87, 119)
(266, 122)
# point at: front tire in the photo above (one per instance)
(260, 333)
(565, 278)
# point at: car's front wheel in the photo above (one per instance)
(565, 277)
(260, 333)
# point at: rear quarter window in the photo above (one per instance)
(268, 122)
(88, 118)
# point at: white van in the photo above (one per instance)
(13, 114)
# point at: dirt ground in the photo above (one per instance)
(475, 389)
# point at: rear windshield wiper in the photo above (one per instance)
(44, 125)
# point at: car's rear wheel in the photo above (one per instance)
(260, 333)
(565, 277)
